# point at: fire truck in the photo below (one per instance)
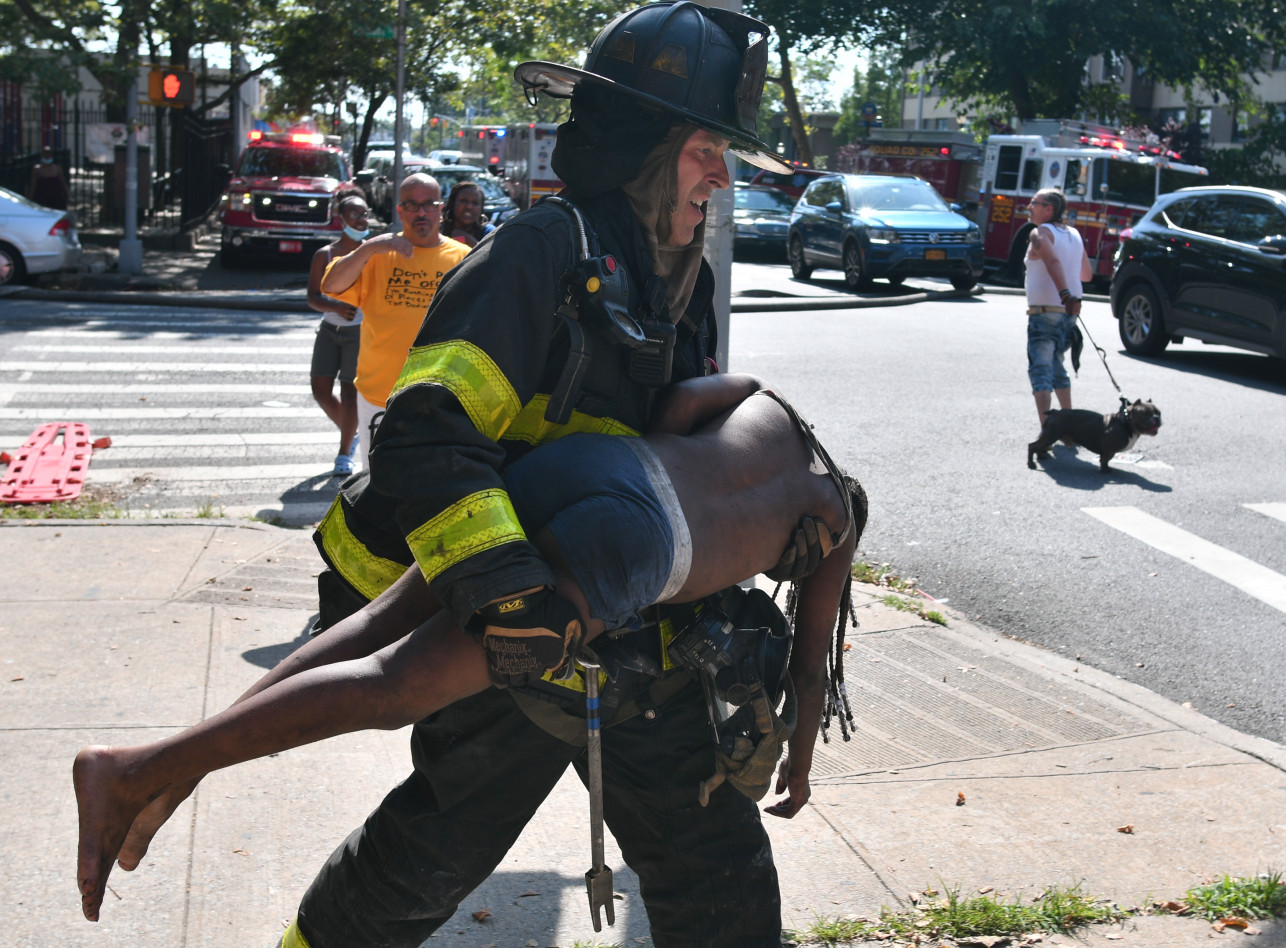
(484, 146)
(528, 174)
(281, 199)
(950, 161)
(1110, 181)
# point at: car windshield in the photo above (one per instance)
(292, 162)
(1129, 183)
(897, 196)
(492, 192)
(751, 199)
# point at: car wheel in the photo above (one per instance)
(854, 276)
(964, 283)
(229, 257)
(795, 252)
(12, 269)
(1141, 324)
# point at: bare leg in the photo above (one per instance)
(1043, 401)
(348, 415)
(434, 666)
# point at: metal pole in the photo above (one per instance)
(401, 88)
(131, 249)
(718, 248)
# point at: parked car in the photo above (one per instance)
(1209, 263)
(34, 239)
(497, 205)
(890, 226)
(761, 218)
(792, 182)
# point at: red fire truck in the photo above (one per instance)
(528, 174)
(1109, 181)
(950, 161)
(281, 199)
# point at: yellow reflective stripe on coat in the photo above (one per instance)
(479, 522)
(369, 574)
(293, 937)
(531, 426)
(471, 376)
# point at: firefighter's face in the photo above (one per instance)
(701, 171)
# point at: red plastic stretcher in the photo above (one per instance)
(50, 465)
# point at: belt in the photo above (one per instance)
(1033, 310)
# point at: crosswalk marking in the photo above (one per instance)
(152, 388)
(1276, 511)
(228, 472)
(42, 415)
(154, 368)
(136, 349)
(1264, 584)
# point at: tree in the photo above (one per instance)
(804, 28)
(881, 83)
(1029, 59)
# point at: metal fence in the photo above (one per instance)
(178, 155)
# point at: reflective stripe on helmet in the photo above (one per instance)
(477, 523)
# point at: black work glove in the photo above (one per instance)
(528, 634)
(807, 548)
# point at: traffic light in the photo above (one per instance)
(171, 86)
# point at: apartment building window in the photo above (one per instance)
(1170, 115)
(1203, 119)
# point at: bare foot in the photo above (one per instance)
(151, 819)
(107, 810)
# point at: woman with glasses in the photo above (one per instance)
(1057, 265)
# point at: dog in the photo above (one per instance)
(1106, 435)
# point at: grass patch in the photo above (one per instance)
(902, 604)
(882, 574)
(92, 504)
(1263, 896)
(951, 916)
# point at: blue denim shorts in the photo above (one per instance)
(613, 512)
(1048, 337)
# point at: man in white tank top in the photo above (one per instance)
(1056, 267)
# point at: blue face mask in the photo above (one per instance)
(46, 161)
(358, 235)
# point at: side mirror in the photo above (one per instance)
(1275, 245)
(835, 207)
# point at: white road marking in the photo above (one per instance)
(1264, 584)
(1276, 511)
(152, 368)
(153, 388)
(136, 349)
(42, 415)
(227, 472)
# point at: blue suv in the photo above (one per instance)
(876, 225)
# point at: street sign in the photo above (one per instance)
(381, 32)
(869, 110)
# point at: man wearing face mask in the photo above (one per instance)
(391, 279)
(571, 317)
(338, 335)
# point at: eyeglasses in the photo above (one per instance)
(412, 206)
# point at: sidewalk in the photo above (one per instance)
(121, 632)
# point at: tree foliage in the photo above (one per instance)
(880, 82)
(1029, 58)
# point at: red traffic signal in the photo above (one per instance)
(171, 86)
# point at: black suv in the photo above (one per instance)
(1209, 263)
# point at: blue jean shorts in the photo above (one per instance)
(1048, 337)
(615, 517)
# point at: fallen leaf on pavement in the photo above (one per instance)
(960, 799)
(1234, 921)
(1127, 829)
(481, 915)
(985, 889)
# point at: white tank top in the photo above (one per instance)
(1069, 248)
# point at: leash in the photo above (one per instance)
(1101, 354)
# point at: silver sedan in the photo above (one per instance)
(34, 239)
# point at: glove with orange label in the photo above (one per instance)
(528, 634)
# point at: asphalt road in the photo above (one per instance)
(929, 406)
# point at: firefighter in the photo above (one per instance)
(571, 318)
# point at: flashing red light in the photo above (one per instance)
(481, 136)
(460, 134)
(945, 151)
(306, 138)
(495, 160)
(255, 136)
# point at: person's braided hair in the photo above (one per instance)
(1057, 200)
